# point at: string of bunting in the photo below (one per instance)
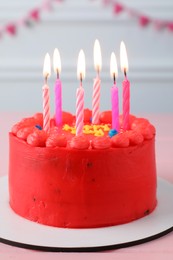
(142, 19)
(34, 16)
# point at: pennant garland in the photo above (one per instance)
(34, 16)
(142, 19)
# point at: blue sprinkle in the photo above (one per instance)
(113, 132)
(90, 119)
(39, 127)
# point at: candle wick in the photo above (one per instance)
(81, 79)
(114, 78)
(125, 73)
(98, 72)
(45, 80)
(57, 74)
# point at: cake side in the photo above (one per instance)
(93, 186)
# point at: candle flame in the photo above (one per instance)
(47, 66)
(123, 58)
(113, 66)
(97, 56)
(56, 61)
(81, 65)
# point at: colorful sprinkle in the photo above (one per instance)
(113, 132)
(38, 127)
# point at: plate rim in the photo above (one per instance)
(94, 248)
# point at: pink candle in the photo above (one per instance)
(58, 88)
(79, 110)
(45, 89)
(126, 104)
(80, 94)
(46, 108)
(96, 86)
(58, 103)
(114, 94)
(96, 101)
(126, 88)
(115, 108)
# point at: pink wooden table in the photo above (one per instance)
(161, 248)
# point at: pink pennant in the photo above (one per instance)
(11, 29)
(106, 2)
(159, 25)
(35, 14)
(144, 21)
(170, 26)
(46, 6)
(118, 8)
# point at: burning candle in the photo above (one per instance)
(114, 93)
(126, 87)
(45, 89)
(96, 86)
(80, 94)
(58, 88)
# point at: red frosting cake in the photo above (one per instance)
(101, 178)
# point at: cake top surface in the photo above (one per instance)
(101, 136)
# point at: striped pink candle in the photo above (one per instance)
(126, 88)
(96, 101)
(46, 108)
(45, 90)
(80, 94)
(96, 86)
(126, 104)
(79, 110)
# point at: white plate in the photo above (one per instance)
(17, 231)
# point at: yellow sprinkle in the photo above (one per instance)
(106, 128)
(66, 127)
(73, 131)
(95, 127)
(99, 133)
(86, 127)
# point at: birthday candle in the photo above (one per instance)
(96, 86)
(126, 87)
(114, 93)
(58, 88)
(45, 90)
(80, 94)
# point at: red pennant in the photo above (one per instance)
(11, 29)
(144, 21)
(35, 14)
(118, 8)
(170, 26)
